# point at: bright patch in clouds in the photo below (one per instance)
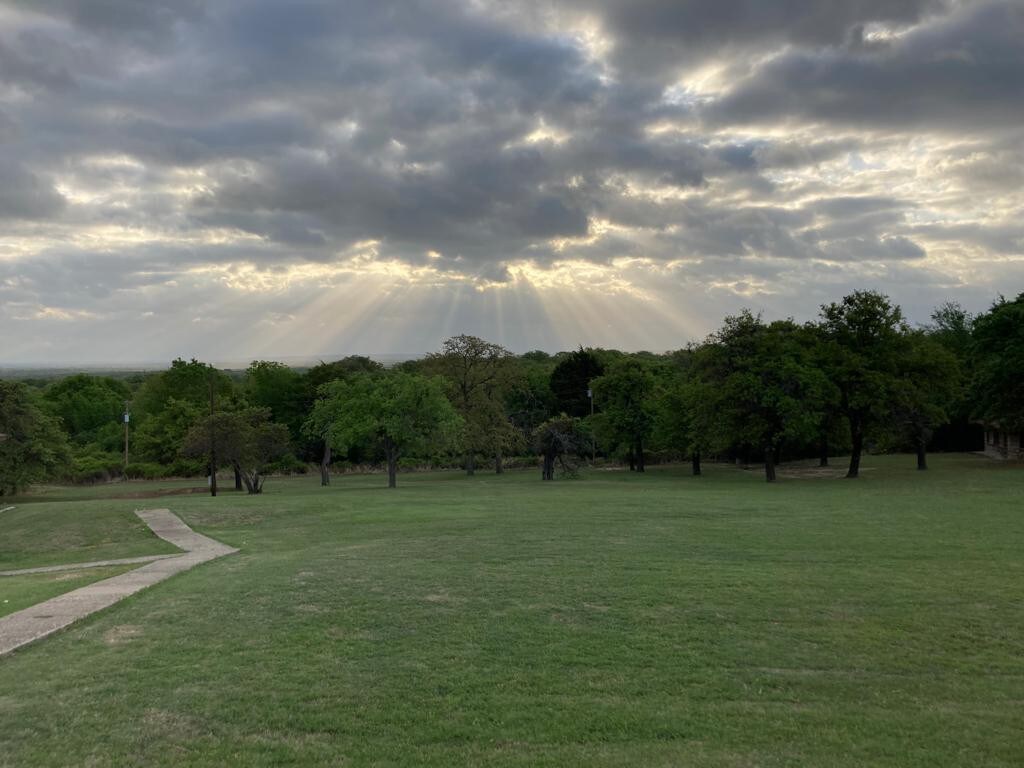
(268, 179)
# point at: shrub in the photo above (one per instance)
(145, 470)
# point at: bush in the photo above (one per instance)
(186, 468)
(145, 470)
(286, 465)
(95, 467)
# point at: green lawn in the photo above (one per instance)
(17, 592)
(64, 532)
(611, 620)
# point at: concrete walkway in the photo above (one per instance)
(83, 566)
(44, 619)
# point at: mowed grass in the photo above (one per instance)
(63, 533)
(23, 591)
(611, 620)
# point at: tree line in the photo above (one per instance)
(857, 377)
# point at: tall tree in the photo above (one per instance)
(682, 420)
(167, 404)
(247, 440)
(32, 445)
(479, 375)
(559, 439)
(531, 402)
(928, 388)
(280, 389)
(863, 333)
(320, 374)
(952, 327)
(998, 361)
(401, 412)
(766, 388)
(87, 405)
(626, 395)
(570, 381)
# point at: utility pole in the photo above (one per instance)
(593, 442)
(213, 442)
(127, 418)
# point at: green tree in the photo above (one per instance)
(531, 402)
(315, 447)
(929, 387)
(246, 439)
(766, 389)
(159, 437)
(401, 412)
(32, 445)
(863, 334)
(952, 327)
(479, 375)
(87, 404)
(625, 393)
(998, 360)
(280, 389)
(190, 381)
(559, 439)
(570, 381)
(167, 403)
(679, 420)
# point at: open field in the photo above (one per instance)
(611, 620)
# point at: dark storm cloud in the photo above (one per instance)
(24, 195)
(961, 72)
(148, 22)
(657, 35)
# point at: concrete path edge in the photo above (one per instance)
(30, 624)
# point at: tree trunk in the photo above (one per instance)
(640, 456)
(213, 441)
(470, 463)
(769, 464)
(499, 467)
(325, 465)
(695, 461)
(548, 471)
(245, 478)
(632, 461)
(823, 451)
(392, 457)
(922, 457)
(857, 434)
(238, 479)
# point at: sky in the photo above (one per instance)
(242, 179)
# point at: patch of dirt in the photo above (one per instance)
(122, 633)
(442, 597)
(159, 493)
(68, 576)
(171, 724)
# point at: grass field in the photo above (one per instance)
(17, 592)
(608, 621)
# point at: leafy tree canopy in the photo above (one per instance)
(32, 445)
(571, 379)
(402, 412)
(998, 360)
(245, 439)
(85, 404)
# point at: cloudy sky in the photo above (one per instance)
(233, 179)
